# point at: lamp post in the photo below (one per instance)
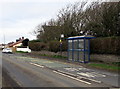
(61, 36)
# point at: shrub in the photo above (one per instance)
(106, 45)
(37, 46)
(54, 46)
(64, 46)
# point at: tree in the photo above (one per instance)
(25, 42)
(100, 19)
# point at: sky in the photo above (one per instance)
(18, 18)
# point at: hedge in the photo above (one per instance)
(106, 45)
(54, 46)
(37, 46)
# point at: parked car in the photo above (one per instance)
(7, 50)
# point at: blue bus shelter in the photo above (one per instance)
(79, 48)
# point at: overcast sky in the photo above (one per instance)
(20, 17)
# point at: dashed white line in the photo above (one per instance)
(72, 77)
(37, 65)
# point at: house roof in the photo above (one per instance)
(11, 45)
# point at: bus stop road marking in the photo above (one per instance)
(91, 74)
(80, 77)
(71, 77)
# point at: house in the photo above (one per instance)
(14, 45)
(2, 46)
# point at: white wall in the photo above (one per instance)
(24, 49)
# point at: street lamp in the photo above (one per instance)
(62, 35)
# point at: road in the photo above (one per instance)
(26, 71)
(0, 70)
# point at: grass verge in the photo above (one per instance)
(53, 56)
(105, 66)
(21, 52)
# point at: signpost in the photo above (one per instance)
(61, 36)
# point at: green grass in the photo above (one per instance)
(116, 63)
(105, 66)
(53, 56)
(21, 52)
(58, 56)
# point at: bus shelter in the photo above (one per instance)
(79, 48)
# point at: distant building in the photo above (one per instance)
(2, 46)
(14, 45)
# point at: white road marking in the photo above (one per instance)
(97, 81)
(72, 77)
(82, 68)
(91, 74)
(17, 82)
(86, 74)
(37, 65)
(66, 72)
(98, 74)
(71, 69)
(34, 60)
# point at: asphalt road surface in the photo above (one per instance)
(24, 71)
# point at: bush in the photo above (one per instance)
(54, 46)
(37, 46)
(64, 46)
(106, 45)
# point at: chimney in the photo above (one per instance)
(22, 38)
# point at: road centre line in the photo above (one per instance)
(37, 65)
(72, 77)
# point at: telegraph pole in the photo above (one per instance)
(4, 40)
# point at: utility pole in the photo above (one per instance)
(4, 40)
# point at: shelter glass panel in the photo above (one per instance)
(75, 55)
(81, 56)
(75, 44)
(70, 44)
(86, 56)
(70, 55)
(81, 44)
(86, 44)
